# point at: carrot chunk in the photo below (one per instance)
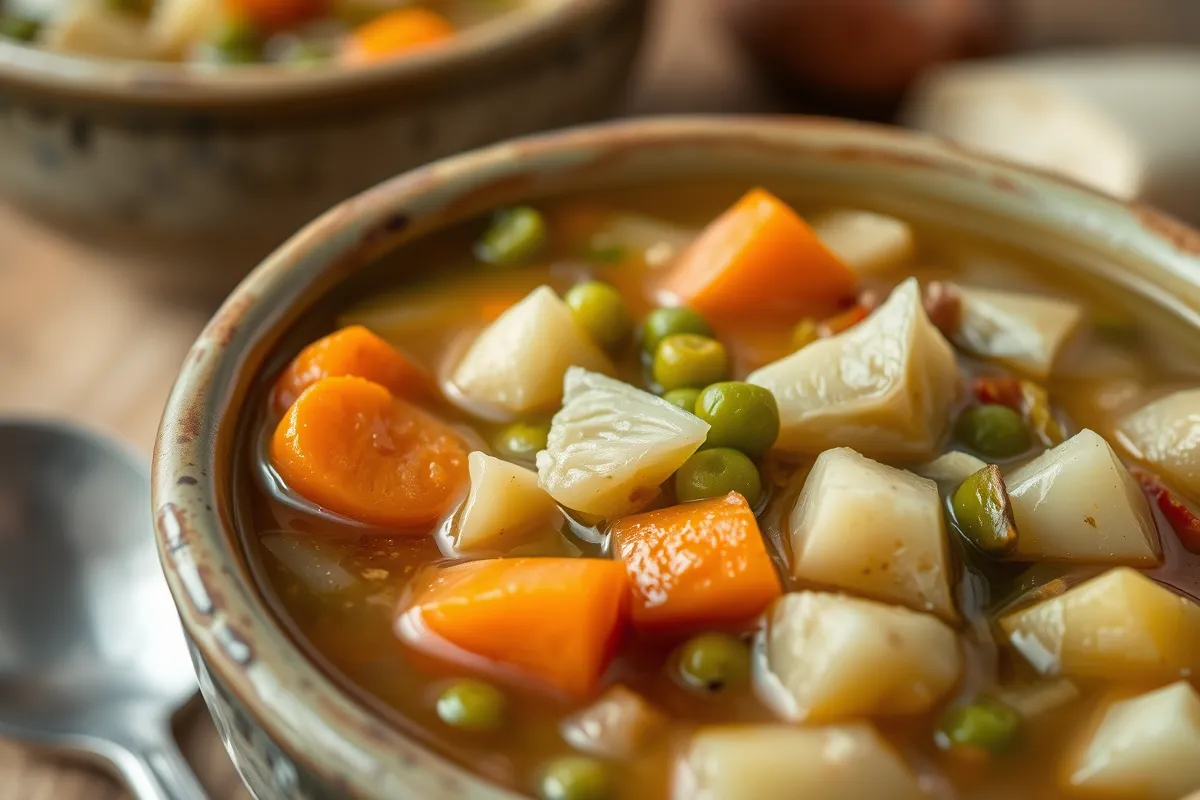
(759, 257)
(554, 620)
(394, 34)
(696, 564)
(349, 446)
(353, 350)
(268, 16)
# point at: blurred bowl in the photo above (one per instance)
(213, 166)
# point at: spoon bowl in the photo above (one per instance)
(92, 656)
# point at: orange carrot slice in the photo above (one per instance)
(268, 16)
(696, 565)
(553, 620)
(759, 258)
(351, 351)
(394, 34)
(349, 446)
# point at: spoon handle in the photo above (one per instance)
(154, 769)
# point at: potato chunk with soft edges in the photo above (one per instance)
(505, 509)
(617, 725)
(612, 445)
(1166, 435)
(1020, 331)
(832, 657)
(1079, 503)
(1120, 626)
(517, 364)
(953, 467)
(1144, 748)
(780, 762)
(884, 387)
(866, 242)
(873, 529)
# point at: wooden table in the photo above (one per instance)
(83, 337)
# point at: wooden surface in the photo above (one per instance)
(84, 336)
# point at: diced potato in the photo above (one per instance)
(612, 445)
(505, 509)
(1020, 331)
(177, 25)
(780, 762)
(1039, 698)
(1119, 626)
(1144, 748)
(517, 364)
(1166, 435)
(618, 725)
(652, 240)
(873, 529)
(832, 657)
(866, 242)
(89, 28)
(1079, 503)
(314, 561)
(884, 387)
(953, 467)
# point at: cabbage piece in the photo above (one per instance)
(505, 508)
(1144, 748)
(831, 657)
(781, 762)
(517, 364)
(873, 529)
(1079, 503)
(866, 242)
(316, 562)
(90, 28)
(884, 387)
(1020, 331)
(953, 467)
(1119, 626)
(612, 445)
(618, 725)
(1166, 435)
(652, 240)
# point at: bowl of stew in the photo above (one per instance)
(210, 130)
(701, 458)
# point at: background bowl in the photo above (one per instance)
(293, 732)
(212, 166)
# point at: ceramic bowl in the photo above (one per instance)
(292, 731)
(208, 165)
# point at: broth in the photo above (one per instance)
(342, 606)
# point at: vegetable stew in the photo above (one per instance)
(700, 493)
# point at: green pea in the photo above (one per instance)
(984, 513)
(22, 29)
(985, 724)
(663, 322)
(713, 662)
(993, 430)
(472, 706)
(740, 415)
(688, 359)
(599, 308)
(234, 41)
(521, 441)
(575, 778)
(515, 235)
(715, 473)
(684, 397)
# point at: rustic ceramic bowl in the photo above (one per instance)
(292, 731)
(203, 165)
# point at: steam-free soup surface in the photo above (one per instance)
(690, 493)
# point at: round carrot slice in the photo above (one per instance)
(349, 446)
(394, 34)
(353, 350)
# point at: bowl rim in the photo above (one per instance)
(186, 85)
(222, 612)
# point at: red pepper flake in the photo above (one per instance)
(1182, 519)
(1000, 389)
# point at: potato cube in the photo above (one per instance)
(1166, 435)
(1020, 331)
(832, 657)
(866, 242)
(874, 529)
(1120, 626)
(618, 725)
(505, 509)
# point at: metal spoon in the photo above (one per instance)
(92, 657)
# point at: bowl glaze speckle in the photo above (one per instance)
(293, 732)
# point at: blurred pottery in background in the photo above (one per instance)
(198, 168)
